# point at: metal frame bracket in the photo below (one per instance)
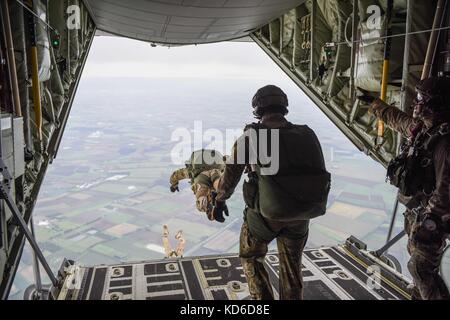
(5, 194)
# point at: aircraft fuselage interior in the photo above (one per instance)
(329, 48)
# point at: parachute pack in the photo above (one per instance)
(299, 191)
(204, 160)
(412, 171)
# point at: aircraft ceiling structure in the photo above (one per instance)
(178, 22)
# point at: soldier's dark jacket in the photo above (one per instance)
(257, 232)
(425, 245)
(438, 203)
(233, 173)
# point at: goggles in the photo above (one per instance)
(420, 99)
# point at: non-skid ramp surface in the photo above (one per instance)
(329, 274)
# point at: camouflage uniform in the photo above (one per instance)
(426, 248)
(202, 186)
(257, 232)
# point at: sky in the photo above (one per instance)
(228, 73)
(109, 57)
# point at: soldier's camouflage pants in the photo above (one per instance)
(256, 234)
(426, 250)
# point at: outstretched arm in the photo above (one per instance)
(201, 196)
(177, 176)
(229, 180)
(230, 177)
(395, 118)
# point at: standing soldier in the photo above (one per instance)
(203, 169)
(422, 173)
(278, 206)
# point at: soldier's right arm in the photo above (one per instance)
(178, 175)
(232, 174)
(201, 196)
(395, 118)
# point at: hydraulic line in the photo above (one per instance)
(354, 50)
(34, 14)
(35, 74)
(386, 65)
(397, 35)
(432, 44)
(11, 59)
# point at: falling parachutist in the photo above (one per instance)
(178, 252)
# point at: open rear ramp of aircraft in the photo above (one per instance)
(330, 273)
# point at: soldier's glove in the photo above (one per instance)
(174, 188)
(217, 213)
(365, 96)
